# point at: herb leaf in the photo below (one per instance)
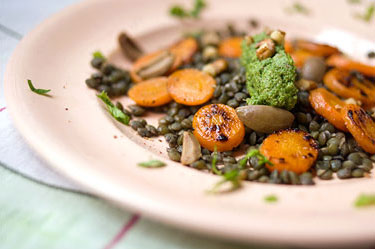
(179, 12)
(298, 8)
(152, 164)
(37, 90)
(367, 16)
(113, 110)
(271, 198)
(365, 200)
(214, 161)
(234, 176)
(98, 54)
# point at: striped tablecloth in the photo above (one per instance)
(39, 208)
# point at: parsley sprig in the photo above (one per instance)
(365, 200)
(38, 90)
(152, 164)
(233, 176)
(180, 12)
(113, 110)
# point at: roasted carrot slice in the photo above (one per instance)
(152, 92)
(300, 56)
(316, 48)
(288, 46)
(292, 150)
(329, 106)
(231, 47)
(218, 125)
(343, 62)
(185, 49)
(361, 126)
(191, 86)
(349, 86)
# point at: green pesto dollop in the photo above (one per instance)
(269, 81)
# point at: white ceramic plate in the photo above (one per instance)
(80, 142)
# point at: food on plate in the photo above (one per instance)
(247, 107)
(270, 73)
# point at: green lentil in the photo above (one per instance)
(143, 132)
(322, 139)
(358, 173)
(186, 124)
(200, 164)
(180, 139)
(284, 176)
(171, 139)
(136, 110)
(294, 179)
(314, 126)
(274, 177)
(355, 158)
(163, 129)
(152, 130)
(327, 158)
(174, 155)
(327, 127)
(253, 175)
(335, 165)
(306, 178)
(135, 124)
(233, 103)
(240, 96)
(175, 126)
(263, 179)
(348, 164)
(324, 174)
(344, 173)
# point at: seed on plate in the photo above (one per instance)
(200, 164)
(143, 132)
(324, 165)
(348, 164)
(175, 126)
(163, 129)
(322, 139)
(174, 155)
(344, 173)
(171, 139)
(207, 158)
(136, 110)
(324, 174)
(153, 131)
(104, 88)
(135, 124)
(355, 158)
(186, 124)
(107, 68)
(358, 173)
(333, 149)
(335, 165)
(306, 178)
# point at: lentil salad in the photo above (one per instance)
(211, 58)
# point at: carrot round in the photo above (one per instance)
(231, 47)
(343, 62)
(347, 86)
(329, 106)
(292, 150)
(191, 86)
(300, 56)
(185, 49)
(218, 125)
(361, 126)
(152, 92)
(288, 46)
(316, 48)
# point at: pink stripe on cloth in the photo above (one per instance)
(2, 109)
(127, 227)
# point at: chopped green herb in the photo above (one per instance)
(354, 1)
(179, 12)
(365, 200)
(214, 161)
(36, 90)
(261, 158)
(298, 8)
(152, 164)
(113, 110)
(233, 176)
(98, 54)
(271, 198)
(368, 15)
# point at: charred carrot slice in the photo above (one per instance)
(231, 47)
(218, 125)
(329, 106)
(300, 56)
(292, 150)
(191, 86)
(316, 48)
(349, 86)
(343, 62)
(185, 49)
(152, 92)
(361, 126)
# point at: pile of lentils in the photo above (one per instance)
(339, 153)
